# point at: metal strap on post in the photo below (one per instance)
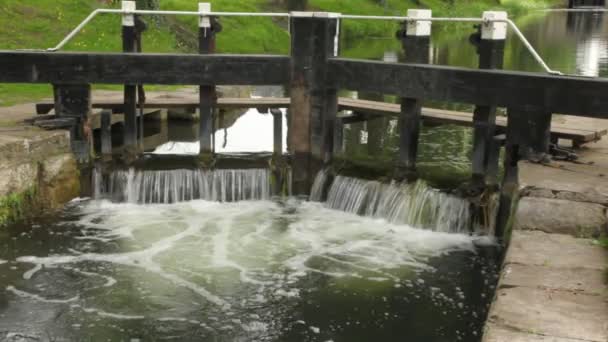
(203, 13)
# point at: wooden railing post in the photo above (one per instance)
(106, 133)
(539, 136)
(338, 137)
(416, 43)
(207, 93)
(129, 44)
(277, 124)
(313, 106)
(490, 47)
(74, 102)
(510, 183)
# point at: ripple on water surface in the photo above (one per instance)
(258, 270)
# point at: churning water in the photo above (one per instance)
(207, 256)
(240, 271)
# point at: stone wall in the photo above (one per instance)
(37, 173)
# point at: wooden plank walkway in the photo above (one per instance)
(364, 110)
(433, 116)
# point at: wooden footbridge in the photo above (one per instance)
(313, 76)
(360, 110)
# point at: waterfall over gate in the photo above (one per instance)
(415, 204)
(147, 186)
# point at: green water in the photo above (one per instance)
(248, 271)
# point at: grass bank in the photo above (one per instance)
(42, 24)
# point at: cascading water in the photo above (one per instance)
(170, 186)
(415, 204)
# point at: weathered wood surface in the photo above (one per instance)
(187, 103)
(434, 116)
(557, 94)
(430, 116)
(140, 68)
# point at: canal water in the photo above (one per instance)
(189, 255)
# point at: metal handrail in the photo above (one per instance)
(509, 22)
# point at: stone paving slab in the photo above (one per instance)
(589, 281)
(553, 288)
(496, 333)
(555, 250)
(560, 216)
(552, 313)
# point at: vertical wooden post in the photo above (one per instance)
(207, 93)
(493, 160)
(329, 115)
(416, 43)
(129, 44)
(540, 135)
(510, 182)
(277, 121)
(74, 102)
(313, 106)
(329, 127)
(106, 133)
(338, 137)
(490, 47)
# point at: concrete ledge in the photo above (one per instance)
(555, 250)
(582, 280)
(560, 216)
(496, 333)
(552, 313)
(553, 288)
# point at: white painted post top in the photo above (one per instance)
(204, 21)
(128, 19)
(329, 15)
(493, 30)
(417, 27)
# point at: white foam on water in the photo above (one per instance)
(33, 296)
(235, 256)
(3, 261)
(31, 272)
(103, 313)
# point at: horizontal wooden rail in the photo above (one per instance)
(137, 68)
(363, 110)
(558, 94)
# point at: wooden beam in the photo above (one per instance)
(74, 102)
(185, 102)
(129, 45)
(129, 68)
(207, 93)
(558, 94)
(489, 41)
(312, 101)
(416, 46)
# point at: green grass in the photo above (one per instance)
(240, 34)
(42, 24)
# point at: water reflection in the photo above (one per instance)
(589, 31)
